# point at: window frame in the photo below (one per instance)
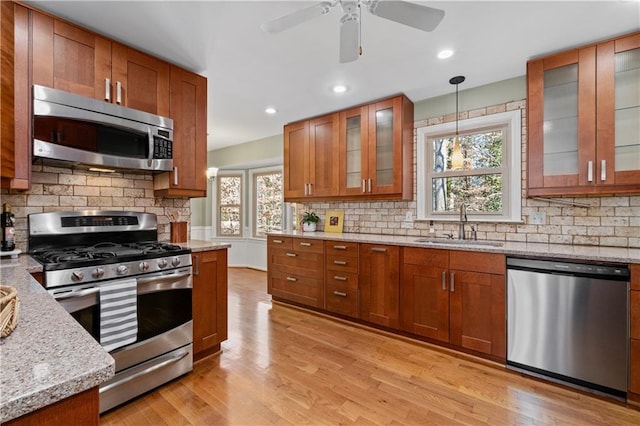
(511, 169)
(218, 216)
(253, 173)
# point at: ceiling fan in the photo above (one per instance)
(414, 15)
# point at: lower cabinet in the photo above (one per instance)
(81, 409)
(455, 297)
(341, 292)
(209, 301)
(634, 344)
(295, 270)
(380, 284)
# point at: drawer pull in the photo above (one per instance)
(277, 241)
(292, 279)
(339, 247)
(306, 244)
(339, 278)
(291, 254)
(379, 249)
(340, 293)
(339, 262)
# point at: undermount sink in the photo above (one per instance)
(460, 242)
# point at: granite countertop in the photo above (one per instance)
(202, 245)
(49, 356)
(542, 250)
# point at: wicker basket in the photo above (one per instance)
(9, 304)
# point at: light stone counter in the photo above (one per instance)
(201, 245)
(580, 253)
(49, 356)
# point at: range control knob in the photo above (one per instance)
(122, 269)
(144, 266)
(162, 263)
(175, 261)
(97, 273)
(77, 276)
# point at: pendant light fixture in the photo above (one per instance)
(457, 159)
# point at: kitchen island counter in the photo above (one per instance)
(49, 356)
(509, 248)
(203, 245)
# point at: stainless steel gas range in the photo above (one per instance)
(130, 291)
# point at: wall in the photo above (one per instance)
(61, 189)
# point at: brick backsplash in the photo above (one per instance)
(606, 221)
(62, 189)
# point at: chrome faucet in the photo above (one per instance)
(463, 220)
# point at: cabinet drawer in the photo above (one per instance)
(280, 242)
(305, 263)
(307, 245)
(489, 263)
(341, 293)
(342, 263)
(423, 256)
(339, 248)
(296, 287)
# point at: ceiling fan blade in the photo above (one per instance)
(414, 15)
(349, 39)
(295, 18)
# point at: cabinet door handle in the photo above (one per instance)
(175, 175)
(292, 279)
(291, 254)
(444, 280)
(369, 183)
(339, 262)
(379, 249)
(277, 241)
(603, 171)
(107, 89)
(340, 247)
(310, 188)
(364, 185)
(306, 244)
(590, 171)
(453, 282)
(197, 259)
(118, 93)
(339, 278)
(340, 293)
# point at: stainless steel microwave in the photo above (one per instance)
(77, 130)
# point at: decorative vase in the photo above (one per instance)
(308, 226)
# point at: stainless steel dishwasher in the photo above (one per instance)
(569, 322)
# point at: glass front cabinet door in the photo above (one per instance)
(584, 120)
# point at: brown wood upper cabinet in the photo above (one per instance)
(188, 109)
(376, 148)
(311, 158)
(362, 152)
(455, 297)
(75, 60)
(583, 115)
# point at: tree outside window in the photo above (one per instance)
(229, 205)
(267, 189)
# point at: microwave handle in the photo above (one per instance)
(151, 147)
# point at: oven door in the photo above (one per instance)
(164, 309)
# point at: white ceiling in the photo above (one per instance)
(248, 70)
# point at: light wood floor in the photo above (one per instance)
(285, 366)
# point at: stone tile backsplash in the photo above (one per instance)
(61, 189)
(606, 221)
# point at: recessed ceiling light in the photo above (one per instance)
(339, 88)
(444, 54)
(270, 110)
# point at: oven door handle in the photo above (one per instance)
(146, 371)
(163, 282)
(75, 293)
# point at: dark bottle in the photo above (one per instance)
(8, 230)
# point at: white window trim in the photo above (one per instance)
(513, 210)
(252, 172)
(214, 201)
